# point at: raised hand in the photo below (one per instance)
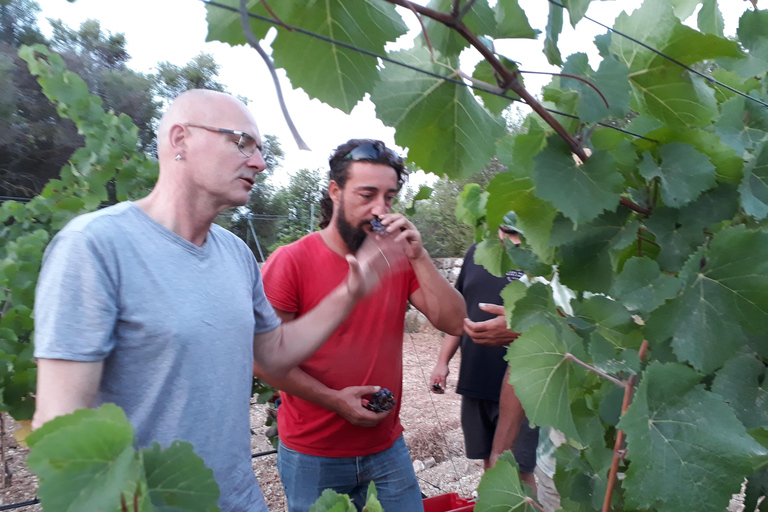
(493, 332)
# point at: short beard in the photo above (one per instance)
(352, 236)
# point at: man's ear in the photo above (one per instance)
(334, 191)
(177, 139)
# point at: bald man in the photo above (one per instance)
(150, 306)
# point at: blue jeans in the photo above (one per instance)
(306, 476)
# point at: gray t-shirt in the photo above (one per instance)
(174, 324)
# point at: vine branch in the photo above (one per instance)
(251, 38)
(568, 75)
(424, 31)
(466, 8)
(272, 13)
(595, 370)
(618, 453)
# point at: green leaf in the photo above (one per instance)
(606, 319)
(586, 253)
(485, 73)
(651, 24)
(178, 479)
(739, 126)
(480, 20)
(676, 97)
(470, 205)
(85, 460)
(442, 124)
(684, 172)
(423, 193)
(225, 25)
(754, 186)
(337, 76)
(331, 501)
(723, 297)
(527, 260)
(687, 449)
(751, 29)
(581, 192)
(500, 489)
(710, 20)
(684, 8)
(741, 382)
(527, 307)
(611, 79)
(544, 376)
(554, 27)
(576, 9)
(512, 22)
(643, 287)
(490, 254)
(371, 501)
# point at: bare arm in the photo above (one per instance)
(63, 387)
(440, 302)
(447, 350)
(511, 416)
(345, 402)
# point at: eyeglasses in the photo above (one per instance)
(375, 152)
(247, 144)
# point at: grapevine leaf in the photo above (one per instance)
(225, 25)
(527, 260)
(757, 487)
(751, 30)
(331, 501)
(610, 78)
(581, 192)
(480, 20)
(514, 190)
(554, 27)
(642, 286)
(576, 9)
(684, 8)
(606, 358)
(490, 254)
(178, 479)
(723, 296)
(470, 206)
(651, 24)
(586, 253)
(606, 319)
(741, 383)
(337, 76)
(684, 172)
(687, 449)
(754, 186)
(710, 20)
(446, 129)
(512, 22)
(484, 71)
(423, 193)
(689, 46)
(500, 489)
(544, 376)
(85, 460)
(372, 500)
(577, 480)
(676, 97)
(535, 306)
(739, 126)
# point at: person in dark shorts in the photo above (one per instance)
(483, 368)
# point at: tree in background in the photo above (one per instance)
(304, 191)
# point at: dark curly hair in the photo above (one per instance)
(339, 170)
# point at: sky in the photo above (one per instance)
(175, 31)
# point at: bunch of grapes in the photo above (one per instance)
(378, 227)
(381, 401)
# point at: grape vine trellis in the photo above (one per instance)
(663, 237)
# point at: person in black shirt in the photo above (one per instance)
(483, 368)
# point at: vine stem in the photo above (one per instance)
(509, 80)
(591, 368)
(251, 38)
(272, 13)
(629, 392)
(534, 504)
(3, 462)
(424, 31)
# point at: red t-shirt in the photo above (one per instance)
(366, 349)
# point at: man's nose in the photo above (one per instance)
(256, 161)
(380, 206)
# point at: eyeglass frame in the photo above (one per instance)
(241, 134)
(392, 158)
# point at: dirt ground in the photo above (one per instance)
(432, 433)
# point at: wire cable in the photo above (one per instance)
(671, 59)
(19, 505)
(398, 63)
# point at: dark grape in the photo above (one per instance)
(381, 401)
(436, 388)
(378, 227)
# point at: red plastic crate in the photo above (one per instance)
(448, 503)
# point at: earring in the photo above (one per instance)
(178, 157)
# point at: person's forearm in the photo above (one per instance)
(297, 383)
(293, 342)
(443, 306)
(64, 387)
(511, 416)
(448, 348)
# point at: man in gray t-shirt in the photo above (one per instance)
(149, 306)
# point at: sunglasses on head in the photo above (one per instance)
(375, 152)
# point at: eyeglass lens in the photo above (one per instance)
(247, 145)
